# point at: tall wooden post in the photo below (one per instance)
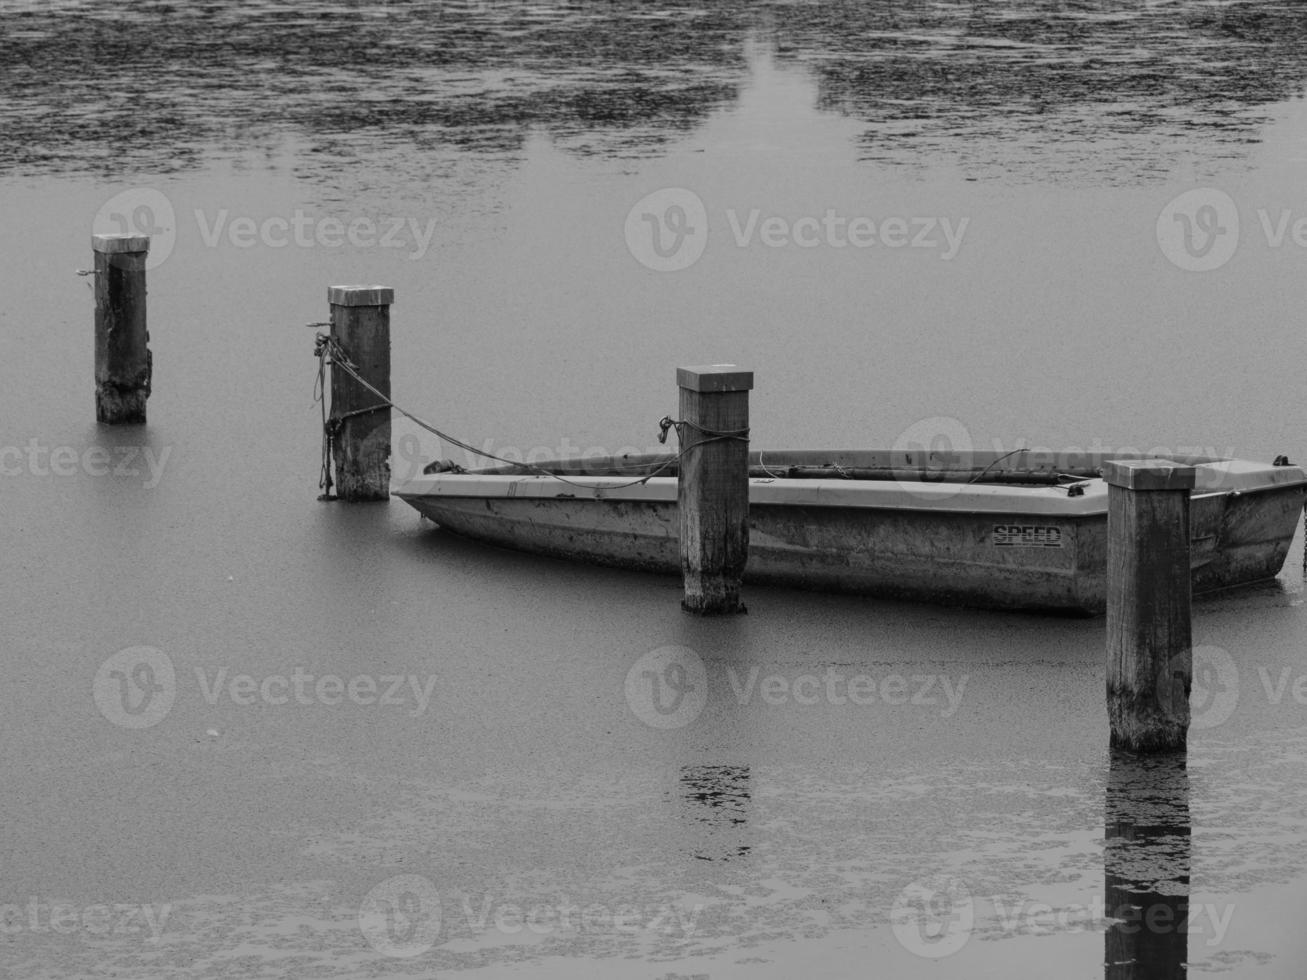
(360, 326)
(713, 486)
(122, 357)
(1149, 651)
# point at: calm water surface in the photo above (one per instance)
(549, 829)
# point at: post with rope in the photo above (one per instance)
(1149, 652)
(123, 365)
(358, 428)
(713, 485)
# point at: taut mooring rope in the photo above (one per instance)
(328, 351)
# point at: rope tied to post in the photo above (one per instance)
(709, 435)
(328, 351)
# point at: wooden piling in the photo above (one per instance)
(360, 420)
(123, 365)
(1149, 651)
(713, 485)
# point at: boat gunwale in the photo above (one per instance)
(1216, 477)
(934, 466)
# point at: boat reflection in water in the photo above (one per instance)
(1146, 858)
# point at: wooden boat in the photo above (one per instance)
(1017, 530)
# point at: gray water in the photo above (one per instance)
(524, 810)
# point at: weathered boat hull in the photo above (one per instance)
(994, 546)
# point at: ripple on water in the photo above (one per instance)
(1112, 91)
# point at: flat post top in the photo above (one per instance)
(114, 244)
(714, 377)
(1148, 474)
(360, 295)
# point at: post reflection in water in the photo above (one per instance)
(1146, 858)
(716, 802)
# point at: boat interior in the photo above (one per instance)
(1019, 467)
